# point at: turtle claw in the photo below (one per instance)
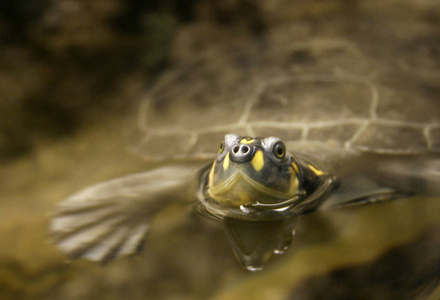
(97, 234)
(111, 219)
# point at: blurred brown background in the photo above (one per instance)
(72, 73)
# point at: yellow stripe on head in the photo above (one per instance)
(316, 171)
(258, 160)
(211, 175)
(226, 162)
(295, 167)
(245, 141)
(294, 182)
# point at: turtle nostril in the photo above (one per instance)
(241, 153)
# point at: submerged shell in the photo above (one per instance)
(360, 102)
(294, 109)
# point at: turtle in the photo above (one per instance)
(258, 131)
(285, 150)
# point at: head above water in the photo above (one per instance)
(254, 171)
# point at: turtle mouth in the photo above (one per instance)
(240, 189)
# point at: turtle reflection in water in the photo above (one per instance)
(255, 185)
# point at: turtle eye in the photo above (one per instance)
(279, 150)
(222, 147)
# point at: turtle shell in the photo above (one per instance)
(338, 93)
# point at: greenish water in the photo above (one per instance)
(185, 257)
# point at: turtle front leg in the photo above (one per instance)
(111, 219)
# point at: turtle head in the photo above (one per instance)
(253, 170)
